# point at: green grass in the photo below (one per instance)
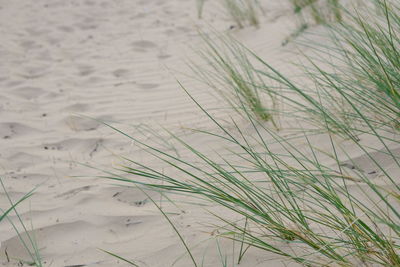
(229, 72)
(360, 88)
(242, 12)
(13, 206)
(373, 57)
(200, 7)
(300, 201)
(321, 13)
(29, 242)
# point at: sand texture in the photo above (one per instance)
(67, 65)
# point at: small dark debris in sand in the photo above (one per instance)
(73, 192)
(96, 147)
(129, 222)
(140, 202)
(6, 253)
(6, 137)
(350, 166)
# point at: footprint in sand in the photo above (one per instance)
(78, 107)
(120, 73)
(10, 130)
(34, 72)
(163, 55)
(79, 124)
(28, 44)
(90, 3)
(31, 176)
(28, 92)
(139, 15)
(13, 248)
(85, 70)
(132, 197)
(183, 29)
(371, 168)
(73, 192)
(86, 146)
(22, 160)
(86, 26)
(65, 29)
(50, 235)
(13, 83)
(147, 86)
(143, 44)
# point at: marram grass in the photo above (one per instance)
(242, 12)
(321, 11)
(302, 202)
(229, 72)
(29, 242)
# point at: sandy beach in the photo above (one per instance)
(68, 66)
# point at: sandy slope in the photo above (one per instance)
(110, 60)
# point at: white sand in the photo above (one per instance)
(112, 60)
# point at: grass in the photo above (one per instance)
(13, 205)
(307, 204)
(242, 12)
(29, 242)
(300, 201)
(200, 7)
(373, 57)
(362, 90)
(321, 13)
(227, 72)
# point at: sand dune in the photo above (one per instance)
(67, 65)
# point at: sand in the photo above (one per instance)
(67, 64)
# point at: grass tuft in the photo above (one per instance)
(30, 244)
(321, 11)
(230, 73)
(242, 12)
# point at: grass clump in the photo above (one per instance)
(29, 242)
(296, 197)
(358, 86)
(371, 52)
(242, 12)
(229, 72)
(321, 11)
(361, 89)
